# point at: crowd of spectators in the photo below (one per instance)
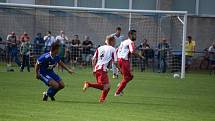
(21, 49)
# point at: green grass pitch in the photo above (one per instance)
(149, 97)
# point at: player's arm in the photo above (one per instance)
(40, 61)
(137, 55)
(94, 61)
(114, 58)
(65, 67)
(37, 68)
(95, 58)
(133, 52)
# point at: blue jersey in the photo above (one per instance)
(47, 62)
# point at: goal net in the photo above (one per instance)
(157, 27)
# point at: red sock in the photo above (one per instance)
(96, 85)
(104, 94)
(121, 86)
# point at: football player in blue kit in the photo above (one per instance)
(44, 71)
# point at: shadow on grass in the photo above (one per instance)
(77, 102)
(139, 103)
(113, 102)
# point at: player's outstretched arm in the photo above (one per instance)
(65, 67)
(37, 68)
(137, 55)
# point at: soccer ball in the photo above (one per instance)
(176, 75)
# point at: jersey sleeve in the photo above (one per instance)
(210, 49)
(131, 47)
(96, 54)
(45, 37)
(57, 38)
(114, 57)
(41, 59)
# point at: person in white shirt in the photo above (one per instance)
(125, 50)
(103, 56)
(49, 39)
(62, 37)
(211, 51)
(119, 38)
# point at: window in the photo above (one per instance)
(207, 7)
(62, 2)
(144, 4)
(90, 3)
(184, 5)
(119, 4)
(3, 1)
(22, 1)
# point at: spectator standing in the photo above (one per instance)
(12, 49)
(74, 49)
(144, 50)
(25, 52)
(49, 39)
(163, 48)
(189, 50)
(39, 44)
(62, 38)
(24, 37)
(211, 51)
(86, 53)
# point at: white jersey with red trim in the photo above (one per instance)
(125, 49)
(104, 55)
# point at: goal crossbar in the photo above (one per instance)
(90, 9)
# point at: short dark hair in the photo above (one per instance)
(189, 37)
(39, 34)
(49, 32)
(55, 45)
(131, 31)
(118, 28)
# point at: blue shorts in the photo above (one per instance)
(188, 60)
(48, 77)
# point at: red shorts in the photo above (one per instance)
(126, 69)
(102, 77)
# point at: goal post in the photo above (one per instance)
(153, 25)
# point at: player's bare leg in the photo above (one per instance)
(122, 85)
(85, 86)
(93, 85)
(52, 90)
(104, 93)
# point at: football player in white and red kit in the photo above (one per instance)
(125, 50)
(103, 56)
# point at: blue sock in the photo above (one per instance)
(51, 91)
